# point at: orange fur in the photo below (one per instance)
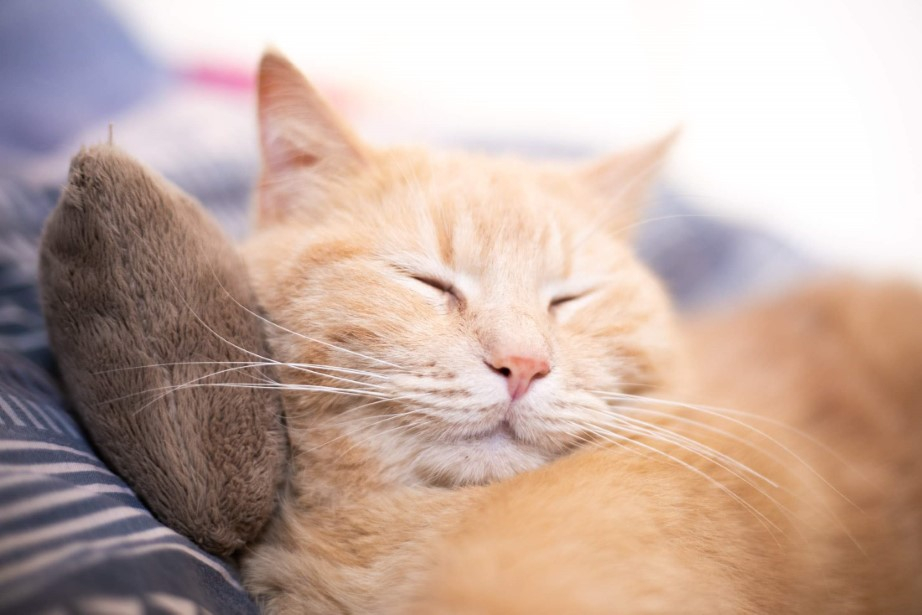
(418, 486)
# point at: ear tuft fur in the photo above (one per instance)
(623, 180)
(304, 142)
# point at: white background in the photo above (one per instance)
(803, 116)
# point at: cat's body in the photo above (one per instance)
(614, 532)
(474, 361)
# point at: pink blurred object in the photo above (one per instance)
(229, 79)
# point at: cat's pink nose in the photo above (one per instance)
(520, 372)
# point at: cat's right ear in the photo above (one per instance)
(624, 181)
(306, 147)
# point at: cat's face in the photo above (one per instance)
(467, 310)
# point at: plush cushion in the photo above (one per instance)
(154, 327)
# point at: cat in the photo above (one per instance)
(478, 378)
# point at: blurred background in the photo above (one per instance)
(802, 115)
(801, 118)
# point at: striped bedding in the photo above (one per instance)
(73, 536)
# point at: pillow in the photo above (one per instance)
(153, 323)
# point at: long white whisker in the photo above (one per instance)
(765, 521)
(358, 428)
(722, 413)
(169, 389)
(319, 366)
(695, 446)
(702, 425)
(301, 335)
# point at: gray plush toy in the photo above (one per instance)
(150, 315)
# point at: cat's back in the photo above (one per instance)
(842, 350)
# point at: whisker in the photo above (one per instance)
(319, 366)
(645, 221)
(698, 447)
(378, 434)
(703, 426)
(268, 384)
(761, 517)
(337, 420)
(301, 335)
(824, 510)
(169, 389)
(722, 413)
(356, 429)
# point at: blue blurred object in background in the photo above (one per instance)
(63, 65)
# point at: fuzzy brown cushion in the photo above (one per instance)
(145, 301)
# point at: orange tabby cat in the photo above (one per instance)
(477, 376)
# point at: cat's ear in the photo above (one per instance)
(623, 180)
(306, 147)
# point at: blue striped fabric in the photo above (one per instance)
(73, 536)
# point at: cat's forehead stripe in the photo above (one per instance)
(443, 233)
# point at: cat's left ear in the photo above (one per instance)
(306, 146)
(623, 180)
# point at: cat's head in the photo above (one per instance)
(462, 314)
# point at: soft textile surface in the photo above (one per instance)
(143, 293)
(72, 534)
(73, 538)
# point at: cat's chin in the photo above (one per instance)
(494, 455)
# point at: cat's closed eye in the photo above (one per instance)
(558, 301)
(565, 299)
(439, 284)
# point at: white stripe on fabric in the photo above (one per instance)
(12, 313)
(64, 419)
(37, 409)
(9, 411)
(60, 417)
(19, 591)
(11, 480)
(111, 605)
(46, 560)
(69, 425)
(104, 488)
(175, 605)
(62, 467)
(195, 553)
(19, 478)
(43, 502)
(15, 400)
(36, 399)
(24, 342)
(32, 445)
(71, 526)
